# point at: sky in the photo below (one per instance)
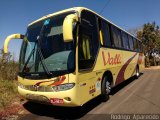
(15, 15)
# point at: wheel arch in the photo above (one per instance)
(108, 74)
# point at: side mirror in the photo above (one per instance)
(68, 27)
(9, 38)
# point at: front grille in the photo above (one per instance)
(37, 88)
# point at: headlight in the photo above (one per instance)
(63, 87)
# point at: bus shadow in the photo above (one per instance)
(123, 84)
(56, 112)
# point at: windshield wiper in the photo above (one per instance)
(37, 42)
(49, 74)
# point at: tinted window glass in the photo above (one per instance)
(140, 46)
(135, 44)
(130, 42)
(104, 33)
(116, 35)
(125, 40)
(88, 40)
(85, 46)
(45, 43)
(90, 22)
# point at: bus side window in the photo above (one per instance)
(130, 42)
(135, 44)
(104, 33)
(116, 35)
(125, 40)
(140, 46)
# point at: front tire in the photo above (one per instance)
(105, 89)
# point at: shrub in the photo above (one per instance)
(8, 76)
(8, 67)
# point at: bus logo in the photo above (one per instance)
(111, 60)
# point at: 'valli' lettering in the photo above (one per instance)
(111, 60)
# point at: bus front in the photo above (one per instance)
(47, 61)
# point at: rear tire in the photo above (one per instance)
(105, 89)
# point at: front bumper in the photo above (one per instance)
(66, 98)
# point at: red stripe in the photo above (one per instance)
(43, 82)
(120, 76)
(139, 57)
(62, 79)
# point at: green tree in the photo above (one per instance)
(150, 36)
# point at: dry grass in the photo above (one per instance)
(8, 76)
(8, 91)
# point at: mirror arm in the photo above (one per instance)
(9, 38)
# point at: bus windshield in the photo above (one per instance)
(58, 56)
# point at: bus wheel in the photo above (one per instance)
(105, 89)
(137, 73)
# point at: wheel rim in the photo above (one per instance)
(108, 87)
(137, 73)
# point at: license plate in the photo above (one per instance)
(56, 101)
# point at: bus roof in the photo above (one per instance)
(79, 9)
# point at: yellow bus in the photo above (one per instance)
(69, 57)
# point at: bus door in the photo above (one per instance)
(88, 46)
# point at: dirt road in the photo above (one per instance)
(140, 96)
